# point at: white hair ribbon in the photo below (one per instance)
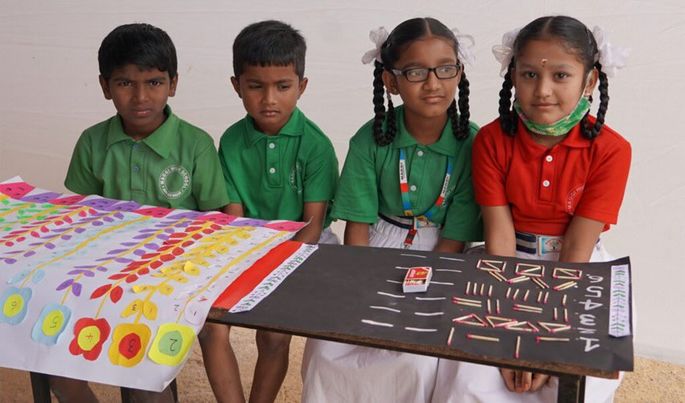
(505, 52)
(466, 44)
(378, 37)
(611, 57)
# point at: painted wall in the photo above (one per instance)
(49, 93)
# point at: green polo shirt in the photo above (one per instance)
(273, 176)
(175, 166)
(370, 184)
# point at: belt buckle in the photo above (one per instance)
(548, 244)
(421, 222)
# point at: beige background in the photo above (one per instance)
(49, 94)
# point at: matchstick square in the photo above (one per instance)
(491, 265)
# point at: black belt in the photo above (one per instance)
(395, 222)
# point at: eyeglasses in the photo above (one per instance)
(415, 75)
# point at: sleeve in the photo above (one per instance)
(80, 177)
(489, 171)
(463, 219)
(321, 174)
(209, 188)
(357, 196)
(605, 187)
(231, 188)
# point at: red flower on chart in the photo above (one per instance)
(89, 336)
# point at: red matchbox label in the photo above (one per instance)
(417, 279)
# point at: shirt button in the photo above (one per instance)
(412, 188)
(272, 146)
(549, 158)
(420, 153)
(545, 183)
(272, 170)
(136, 168)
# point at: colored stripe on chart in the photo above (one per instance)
(254, 275)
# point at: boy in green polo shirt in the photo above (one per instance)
(145, 153)
(277, 165)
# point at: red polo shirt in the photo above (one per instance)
(546, 187)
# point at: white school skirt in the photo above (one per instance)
(337, 372)
(465, 382)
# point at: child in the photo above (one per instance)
(145, 153)
(435, 210)
(277, 165)
(546, 173)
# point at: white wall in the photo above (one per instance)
(49, 93)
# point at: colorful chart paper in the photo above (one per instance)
(115, 292)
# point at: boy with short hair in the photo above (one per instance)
(145, 153)
(277, 165)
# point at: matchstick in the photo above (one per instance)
(472, 336)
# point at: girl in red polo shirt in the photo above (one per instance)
(549, 177)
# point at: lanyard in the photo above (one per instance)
(406, 203)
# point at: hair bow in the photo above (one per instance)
(611, 57)
(378, 36)
(505, 52)
(465, 48)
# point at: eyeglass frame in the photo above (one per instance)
(403, 73)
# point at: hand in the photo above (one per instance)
(523, 381)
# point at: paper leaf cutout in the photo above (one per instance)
(115, 294)
(100, 291)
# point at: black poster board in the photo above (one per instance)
(354, 294)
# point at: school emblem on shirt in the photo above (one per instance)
(174, 181)
(295, 177)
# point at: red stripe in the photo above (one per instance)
(254, 275)
(404, 187)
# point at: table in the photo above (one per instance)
(326, 296)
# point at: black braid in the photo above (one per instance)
(454, 117)
(592, 131)
(507, 116)
(463, 128)
(379, 105)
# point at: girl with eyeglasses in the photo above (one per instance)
(406, 183)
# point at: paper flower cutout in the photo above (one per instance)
(14, 304)
(171, 344)
(158, 212)
(16, 190)
(289, 226)
(129, 343)
(89, 336)
(68, 200)
(51, 323)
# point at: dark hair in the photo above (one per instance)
(269, 43)
(144, 45)
(577, 39)
(391, 51)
